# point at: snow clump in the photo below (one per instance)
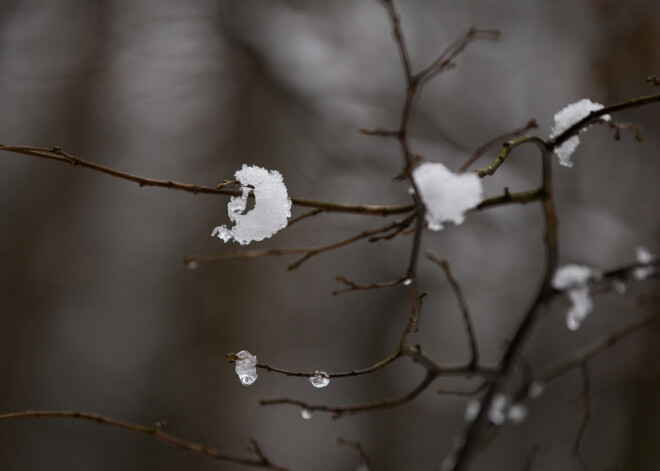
(271, 211)
(446, 195)
(566, 118)
(574, 278)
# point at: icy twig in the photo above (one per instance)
(155, 431)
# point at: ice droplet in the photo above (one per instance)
(407, 282)
(306, 414)
(193, 264)
(643, 255)
(448, 463)
(497, 408)
(536, 389)
(619, 287)
(471, 410)
(320, 379)
(246, 367)
(517, 413)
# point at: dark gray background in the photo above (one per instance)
(98, 312)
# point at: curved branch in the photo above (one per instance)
(341, 411)
(157, 433)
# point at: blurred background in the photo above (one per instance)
(99, 313)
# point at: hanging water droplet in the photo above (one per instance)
(572, 323)
(320, 379)
(407, 282)
(619, 287)
(246, 367)
(471, 410)
(536, 389)
(411, 191)
(517, 413)
(192, 264)
(306, 414)
(247, 378)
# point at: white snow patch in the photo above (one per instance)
(446, 195)
(566, 118)
(573, 279)
(271, 210)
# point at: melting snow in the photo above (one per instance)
(271, 211)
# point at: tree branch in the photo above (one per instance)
(156, 432)
(59, 155)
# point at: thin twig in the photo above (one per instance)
(353, 286)
(462, 303)
(341, 411)
(507, 198)
(307, 374)
(154, 431)
(449, 54)
(307, 252)
(59, 155)
(306, 215)
(579, 357)
(532, 124)
(357, 446)
(504, 151)
(586, 398)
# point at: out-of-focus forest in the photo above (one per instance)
(99, 313)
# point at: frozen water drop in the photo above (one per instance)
(306, 414)
(497, 409)
(407, 282)
(246, 367)
(320, 379)
(517, 413)
(572, 322)
(448, 463)
(247, 378)
(193, 264)
(536, 389)
(643, 255)
(619, 287)
(471, 410)
(411, 191)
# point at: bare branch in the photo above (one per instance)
(358, 448)
(462, 303)
(307, 252)
(156, 432)
(586, 398)
(352, 286)
(580, 357)
(341, 411)
(444, 62)
(507, 198)
(532, 124)
(59, 155)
